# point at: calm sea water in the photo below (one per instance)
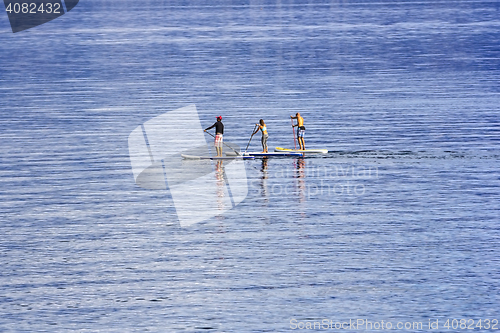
(399, 222)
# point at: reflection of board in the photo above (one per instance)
(307, 151)
(191, 157)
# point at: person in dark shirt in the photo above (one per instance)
(219, 131)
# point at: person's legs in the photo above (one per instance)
(218, 144)
(220, 147)
(300, 138)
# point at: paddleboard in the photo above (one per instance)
(307, 151)
(272, 154)
(192, 157)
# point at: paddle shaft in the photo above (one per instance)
(294, 138)
(251, 136)
(237, 153)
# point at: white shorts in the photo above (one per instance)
(218, 140)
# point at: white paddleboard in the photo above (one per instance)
(192, 157)
(272, 154)
(307, 151)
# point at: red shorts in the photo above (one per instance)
(218, 140)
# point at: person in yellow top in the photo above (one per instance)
(300, 130)
(262, 126)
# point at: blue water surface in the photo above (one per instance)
(398, 222)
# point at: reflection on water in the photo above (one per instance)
(263, 178)
(300, 175)
(221, 185)
(263, 167)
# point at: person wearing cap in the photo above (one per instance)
(219, 131)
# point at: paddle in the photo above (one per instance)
(250, 138)
(294, 138)
(237, 153)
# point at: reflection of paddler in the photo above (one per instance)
(264, 168)
(221, 184)
(300, 175)
(300, 130)
(219, 131)
(262, 126)
(264, 177)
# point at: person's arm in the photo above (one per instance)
(206, 129)
(258, 128)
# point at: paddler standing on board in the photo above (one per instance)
(219, 131)
(262, 127)
(300, 130)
